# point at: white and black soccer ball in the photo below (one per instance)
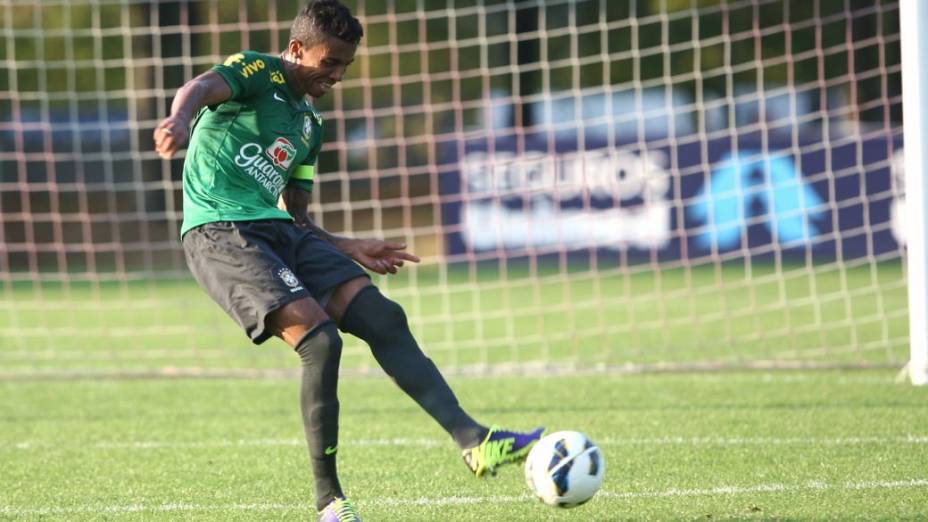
(565, 469)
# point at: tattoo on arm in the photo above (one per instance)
(296, 201)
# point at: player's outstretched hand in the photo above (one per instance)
(170, 136)
(383, 257)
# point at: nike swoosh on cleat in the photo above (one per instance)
(278, 98)
(330, 450)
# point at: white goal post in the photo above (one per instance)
(914, 32)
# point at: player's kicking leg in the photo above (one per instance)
(364, 312)
(500, 447)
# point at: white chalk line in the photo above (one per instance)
(463, 500)
(813, 485)
(432, 443)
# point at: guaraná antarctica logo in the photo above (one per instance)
(281, 152)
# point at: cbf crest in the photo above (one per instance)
(307, 128)
(288, 278)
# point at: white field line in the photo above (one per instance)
(764, 441)
(813, 485)
(452, 501)
(434, 443)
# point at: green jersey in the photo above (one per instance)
(244, 151)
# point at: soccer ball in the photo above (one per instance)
(565, 469)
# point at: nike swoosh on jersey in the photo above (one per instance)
(278, 98)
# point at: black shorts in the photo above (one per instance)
(252, 268)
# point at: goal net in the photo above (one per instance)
(592, 185)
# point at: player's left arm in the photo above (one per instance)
(382, 257)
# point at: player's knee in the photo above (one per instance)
(385, 322)
(320, 346)
(391, 314)
(295, 320)
(372, 317)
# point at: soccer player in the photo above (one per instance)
(256, 138)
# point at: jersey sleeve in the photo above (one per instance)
(248, 73)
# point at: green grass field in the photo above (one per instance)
(711, 445)
(785, 445)
(578, 317)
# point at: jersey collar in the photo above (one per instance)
(300, 102)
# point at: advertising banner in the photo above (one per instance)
(752, 194)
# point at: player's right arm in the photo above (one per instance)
(242, 75)
(173, 132)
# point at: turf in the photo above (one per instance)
(785, 445)
(569, 316)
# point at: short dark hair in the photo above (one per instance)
(321, 18)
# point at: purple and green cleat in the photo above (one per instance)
(339, 510)
(498, 448)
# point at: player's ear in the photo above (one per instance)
(295, 49)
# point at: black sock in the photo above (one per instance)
(320, 350)
(382, 324)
